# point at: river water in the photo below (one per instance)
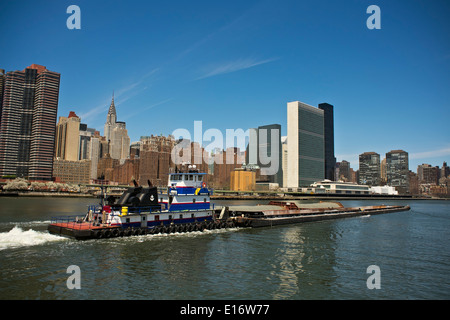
(319, 260)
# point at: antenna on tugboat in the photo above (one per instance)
(102, 195)
(149, 183)
(135, 183)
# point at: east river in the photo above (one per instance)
(319, 260)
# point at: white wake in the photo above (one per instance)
(17, 237)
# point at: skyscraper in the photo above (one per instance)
(426, 173)
(265, 152)
(330, 160)
(383, 171)
(445, 170)
(67, 137)
(111, 120)
(28, 119)
(116, 135)
(397, 170)
(2, 88)
(306, 144)
(344, 171)
(369, 168)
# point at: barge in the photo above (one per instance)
(282, 213)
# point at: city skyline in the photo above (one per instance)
(236, 65)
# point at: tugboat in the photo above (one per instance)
(183, 207)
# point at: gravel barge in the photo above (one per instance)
(282, 213)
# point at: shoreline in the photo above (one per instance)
(321, 197)
(237, 197)
(46, 194)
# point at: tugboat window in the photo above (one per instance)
(199, 178)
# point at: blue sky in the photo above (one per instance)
(236, 64)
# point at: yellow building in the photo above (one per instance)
(242, 180)
(67, 137)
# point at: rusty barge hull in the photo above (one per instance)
(285, 217)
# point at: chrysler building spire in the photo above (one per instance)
(112, 115)
(111, 119)
(116, 134)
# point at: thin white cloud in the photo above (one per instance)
(140, 111)
(431, 154)
(86, 116)
(120, 96)
(196, 45)
(233, 66)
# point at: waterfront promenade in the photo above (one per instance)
(241, 195)
(275, 195)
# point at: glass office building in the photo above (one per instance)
(266, 153)
(306, 144)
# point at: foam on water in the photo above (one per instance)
(192, 234)
(17, 237)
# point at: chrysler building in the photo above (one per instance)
(116, 134)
